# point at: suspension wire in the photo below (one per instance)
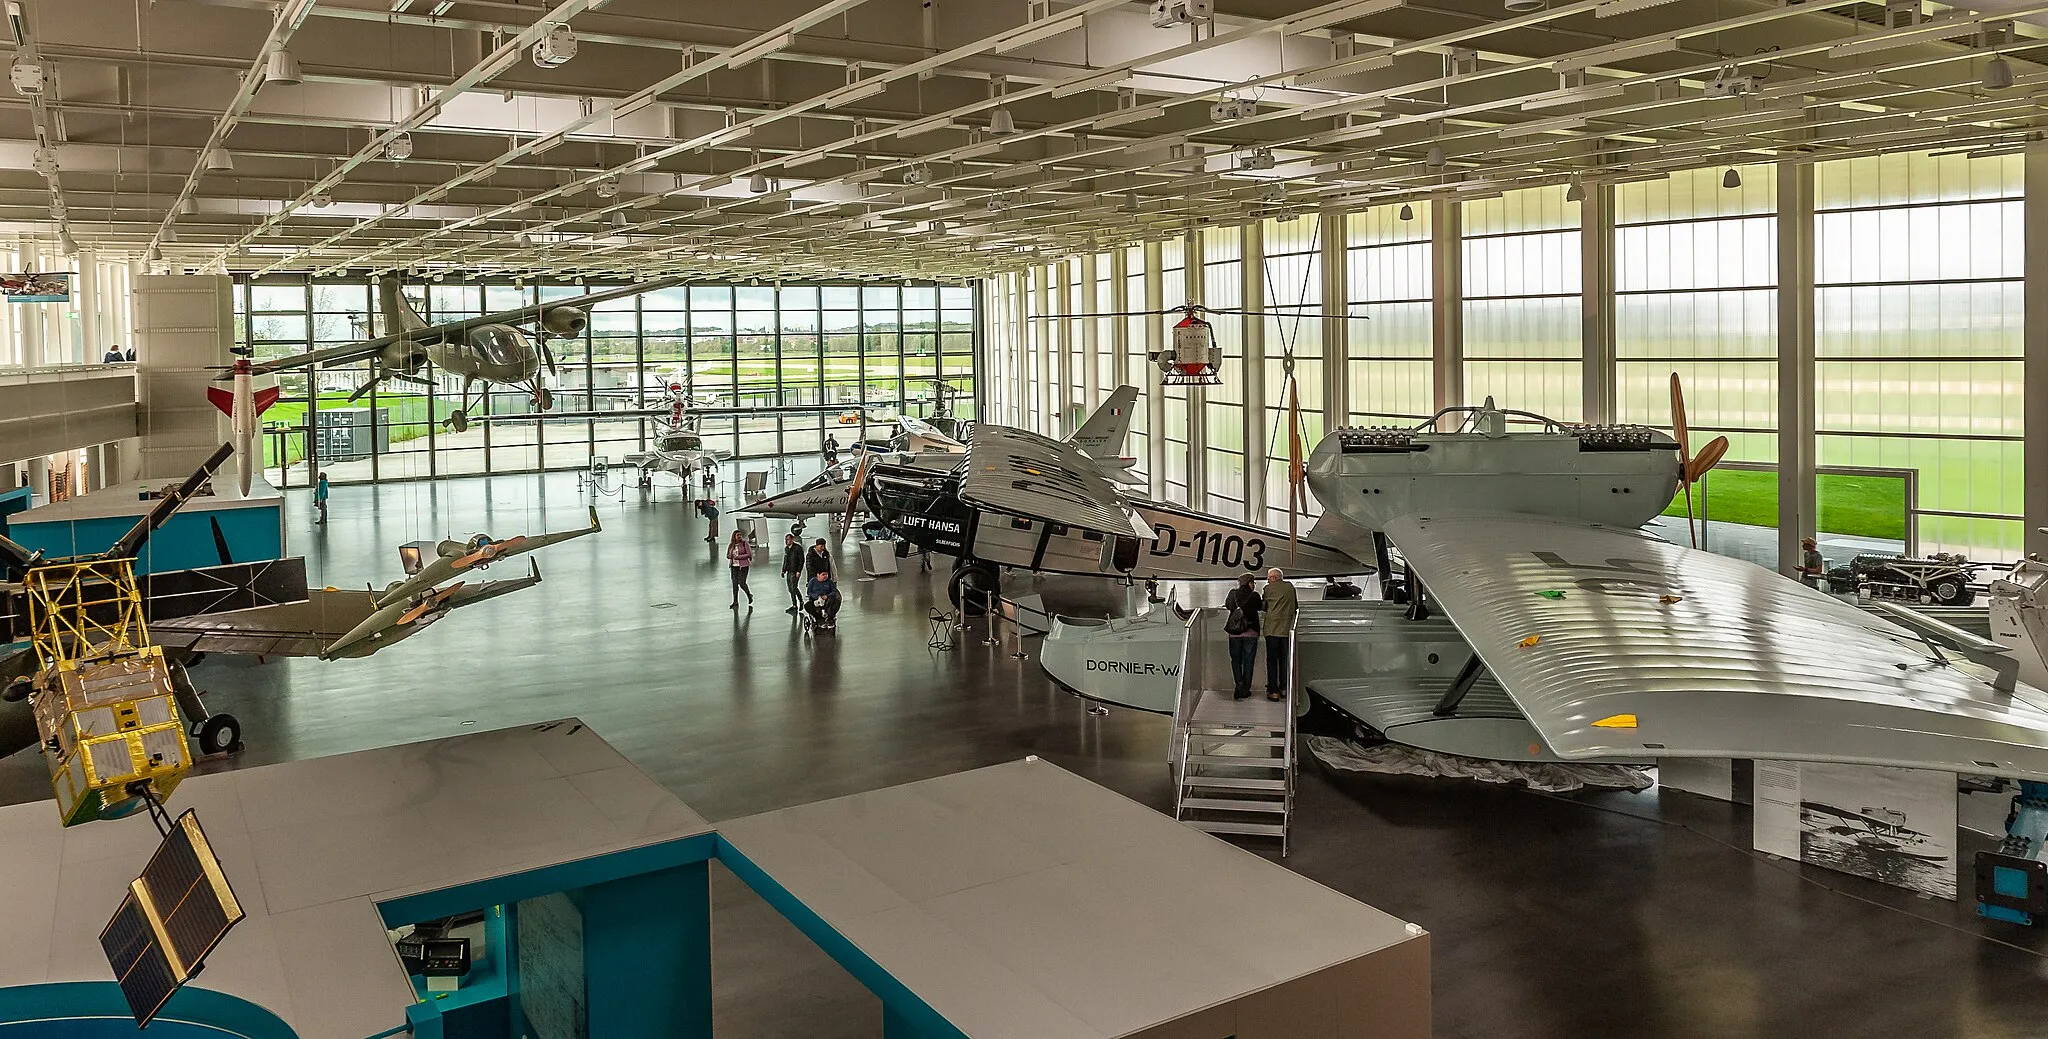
(1288, 337)
(1237, 311)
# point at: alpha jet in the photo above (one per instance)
(489, 348)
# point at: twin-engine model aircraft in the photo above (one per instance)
(1021, 499)
(1574, 635)
(335, 623)
(488, 348)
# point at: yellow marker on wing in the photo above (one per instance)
(1616, 721)
(1530, 641)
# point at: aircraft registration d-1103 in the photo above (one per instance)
(1024, 500)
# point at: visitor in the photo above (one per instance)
(113, 356)
(129, 355)
(793, 570)
(320, 499)
(1280, 603)
(739, 554)
(1241, 625)
(708, 509)
(831, 450)
(821, 593)
(1812, 569)
(818, 561)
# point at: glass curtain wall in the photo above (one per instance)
(742, 345)
(1223, 288)
(1919, 262)
(1136, 363)
(1523, 326)
(1293, 274)
(1173, 291)
(1390, 286)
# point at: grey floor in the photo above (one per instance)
(1602, 915)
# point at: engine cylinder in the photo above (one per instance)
(565, 321)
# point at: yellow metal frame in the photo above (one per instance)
(63, 601)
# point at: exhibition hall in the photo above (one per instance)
(1023, 519)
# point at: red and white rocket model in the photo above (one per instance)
(242, 405)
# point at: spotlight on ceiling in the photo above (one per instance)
(1997, 74)
(1731, 179)
(282, 68)
(918, 174)
(1435, 156)
(399, 147)
(758, 183)
(606, 188)
(939, 227)
(1407, 211)
(1575, 191)
(187, 207)
(67, 244)
(321, 200)
(1130, 202)
(219, 159)
(153, 255)
(168, 234)
(619, 218)
(1001, 123)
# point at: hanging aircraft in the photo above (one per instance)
(335, 623)
(488, 348)
(1020, 499)
(1541, 624)
(244, 405)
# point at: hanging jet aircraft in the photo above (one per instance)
(678, 451)
(487, 348)
(1574, 635)
(1021, 499)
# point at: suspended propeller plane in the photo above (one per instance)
(489, 348)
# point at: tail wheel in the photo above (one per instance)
(220, 734)
(458, 421)
(1950, 591)
(974, 588)
(544, 399)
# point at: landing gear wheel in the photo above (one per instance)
(16, 691)
(1950, 591)
(220, 734)
(974, 587)
(458, 421)
(544, 399)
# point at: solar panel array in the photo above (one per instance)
(175, 913)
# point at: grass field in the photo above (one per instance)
(1861, 506)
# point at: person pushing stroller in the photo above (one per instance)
(821, 592)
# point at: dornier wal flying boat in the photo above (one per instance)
(1572, 633)
(488, 348)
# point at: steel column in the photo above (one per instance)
(1798, 511)
(1447, 255)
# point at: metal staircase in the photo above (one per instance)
(1233, 760)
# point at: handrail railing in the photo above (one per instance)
(1185, 697)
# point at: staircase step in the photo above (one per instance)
(1237, 740)
(1239, 760)
(1252, 829)
(1210, 729)
(1223, 804)
(1233, 782)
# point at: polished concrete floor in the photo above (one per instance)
(1599, 915)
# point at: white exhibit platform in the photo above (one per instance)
(1023, 901)
(310, 848)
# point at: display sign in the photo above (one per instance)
(1892, 825)
(36, 288)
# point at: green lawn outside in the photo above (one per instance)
(1860, 506)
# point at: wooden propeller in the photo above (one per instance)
(1692, 467)
(860, 482)
(428, 603)
(1297, 470)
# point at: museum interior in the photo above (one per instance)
(1366, 518)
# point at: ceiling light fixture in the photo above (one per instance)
(1524, 6)
(1575, 191)
(1001, 123)
(918, 173)
(606, 188)
(219, 159)
(187, 207)
(282, 68)
(1997, 74)
(1407, 211)
(399, 148)
(758, 183)
(1435, 156)
(321, 200)
(1731, 179)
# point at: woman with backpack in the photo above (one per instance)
(1241, 624)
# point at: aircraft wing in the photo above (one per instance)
(1011, 470)
(926, 437)
(1618, 644)
(299, 629)
(441, 568)
(350, 352)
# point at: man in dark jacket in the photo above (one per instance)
(1280, 604)
(1242, 607)
(793, 570)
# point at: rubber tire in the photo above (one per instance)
(1948, 591)
(458, 422)
(545, 399)
(972, 587)
(220, 734)
(17, 690)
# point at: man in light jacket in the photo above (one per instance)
(1278, 624)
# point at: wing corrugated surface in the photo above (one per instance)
(1011, 470)
(290, 630)
(1687, 654)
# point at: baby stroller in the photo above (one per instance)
(821, 604)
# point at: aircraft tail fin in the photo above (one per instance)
(397, 313)
(221, 399)
(1102, 436)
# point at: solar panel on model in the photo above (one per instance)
(175, 913)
